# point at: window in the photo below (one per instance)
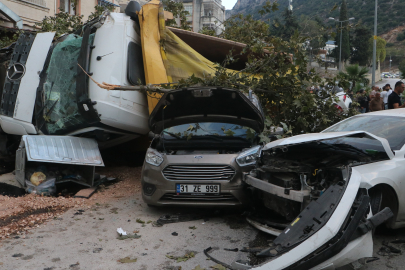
(189, 8)
(387, 127)
(67, 6)
(105, 3)
(210, 26)
(60, 107)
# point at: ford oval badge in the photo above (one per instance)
(198, 157)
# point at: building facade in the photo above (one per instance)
(33, 11)
(205, 13)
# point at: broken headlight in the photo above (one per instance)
(153, 157)
(248, 157)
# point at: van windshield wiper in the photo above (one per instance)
(172, 134)
(215, 137)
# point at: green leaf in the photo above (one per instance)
(229, 132)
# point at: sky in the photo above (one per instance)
(228, 3)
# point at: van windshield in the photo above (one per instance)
(59, 89)
(209, 130)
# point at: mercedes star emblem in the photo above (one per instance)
(15, 72)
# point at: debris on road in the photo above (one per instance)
(37, 178)
(121, 232)
(192, 227)
(138, 220)
(398, 241)
(85, 193)
(387, 250)
(218, 267)
(166, 219)
(127, 260)
(232, 249)
(97, 250)
(175, 234)
(45, 188)
(186, 257)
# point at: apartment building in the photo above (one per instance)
(24, 14)
(205, 13)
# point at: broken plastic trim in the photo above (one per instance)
(215, 260)
(359, 210)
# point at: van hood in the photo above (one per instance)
(206, 104)
(319, 137)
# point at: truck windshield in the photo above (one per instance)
(59, 89)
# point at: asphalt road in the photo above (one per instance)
(385, 81)
(88, 240)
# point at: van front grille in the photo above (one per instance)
(198, 172)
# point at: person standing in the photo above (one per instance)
(384, 96)
(361, 99)
(394, 100)
(376, 103)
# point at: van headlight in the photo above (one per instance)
(153, 157)
(248, 157)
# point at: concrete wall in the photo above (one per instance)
(31, 11)
(87, 7)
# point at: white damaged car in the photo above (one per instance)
(328, 191)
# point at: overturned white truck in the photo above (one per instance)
(45, 94)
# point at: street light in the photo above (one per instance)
(341, 30)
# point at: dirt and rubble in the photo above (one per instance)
(20, 214)
(82, 234)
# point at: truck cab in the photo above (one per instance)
(46, 87)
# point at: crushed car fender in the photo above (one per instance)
(323, 235)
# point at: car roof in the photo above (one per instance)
(391, 112)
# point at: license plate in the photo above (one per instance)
(197, 189)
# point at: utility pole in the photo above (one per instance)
(374, 45)
(340, 47)
(341, 34)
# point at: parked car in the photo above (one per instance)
(331, 189)
(204, 139)
(344, 101)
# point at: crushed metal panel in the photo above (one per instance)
(63, 149)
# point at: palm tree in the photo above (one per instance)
(355, 74)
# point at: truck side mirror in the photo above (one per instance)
(132, 8)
